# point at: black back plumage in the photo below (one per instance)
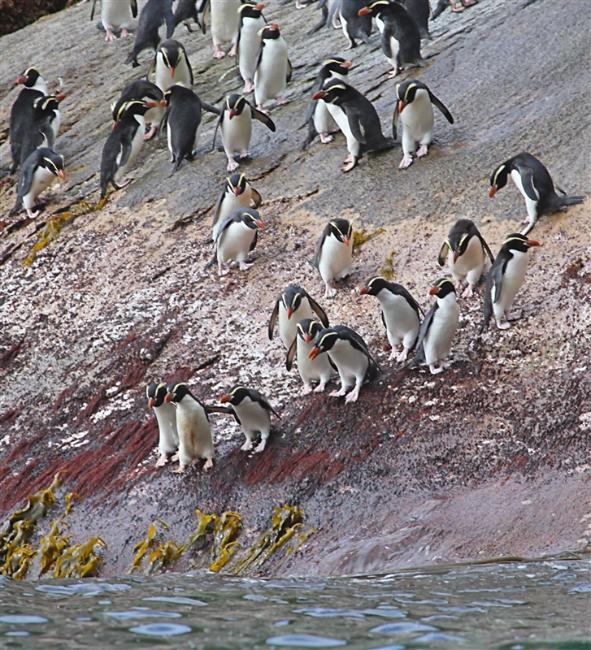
(292, 296)
(40, 132)
(152, 16)
(419, 11)
(41, 157)
(346, 333)
(398, 24)
(185, 11)
(137, 89)
(405, 94)
(357, 26)
(458, 239)
(21, 118)
(340, 228)
(183, 115)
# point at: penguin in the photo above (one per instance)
(152, 16)
(319, 369)
(21, 112)
(419, 11)
(145, 90)
(318, 117)
(123, 144)
(334, 253)
(354, 24)
(168, 437)
(237, 193)
(357, 118)
(237, 237)
(401, 314)
(225, 22)
(505, 279)
(248, 42)
(401, 41)
(171, 65)
(253, 413)
(186, 12)
(414, 110)
(194, 430)
(116, 16)
(330, 16)
(291, 307)
(45, 124)
(349, 353)
(438, 328)
(273, 71)
(534, 182)
(235, 124)
(465, 252)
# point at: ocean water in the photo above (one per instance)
(508, 606)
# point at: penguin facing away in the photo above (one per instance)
(354, 24)
(171, 65)
(319, 369)
(248, 43)
(505, 279)
(253, 413)
(273, 71)
(142, 89)
(534, 182)
(401, 314)
(152, 16)
(334, 254)
(466, 252)
(237, 193)
(237, 237)
(293, 305)
(225, 22)
(186, 12)
(419, 11)
(330, 16)
(414, 110)
(168, 437)
(44, 126)
(116, 15)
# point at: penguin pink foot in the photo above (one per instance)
(208, 464)
(435, 370)
(232, 165)
(179, 470)
(325, 138)
(125, 33)
(261, 446)
(423, 150)
(162, 460)
(353, 396)
(150, 134)
(320, 388)
(349, 163)
(243, 266)
(218, 53)
(244, 155)
(468, 292)
(232, 51)
(406, 161)
(401, 358)
(306, 390)
(330, 292)
(393, 73)
(110, 37)
(175, 457)
(248, 87)
(339, 393)
(247, 446)
(503, 325)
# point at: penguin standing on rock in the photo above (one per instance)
(414, 110)
(438, 329)
(171, 65)
(39, 171)
(116, 16)
(419, 11)
(186, 12)
(273, 71)
(237, 237)
(465, 252)
(193, 428)
(354, 24)
(401, 314)
(44, 126)
(319, 369)
(253, 413)
(334, 253)
(534, 182)
(142, 89)
(505, 279)
(237, 193)
(152, 16)
(252, 22)
(349, 353)
(225, 23)
(168, 437)
(293, 305)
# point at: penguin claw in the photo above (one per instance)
(260, 447)
(393, 73)
(175, 457)
(403, 356)
(423, 150)
(247, 446)
(320, 388)
(232, 165)
(505, 325)
(468, 292)
(338, 393)
(244, 266)
(348, 164)
(219, 54)
(162, 460)
(208, 464)
(307, 389)
(179, 470)
(406, 162)
(325, 138)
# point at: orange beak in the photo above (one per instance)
(150, 402)
(113, 126)
(363, 291)
(168, 398)
(314, 352)
(400, 106)
(363, 11)
(225, 398)
(152, 104)
(232, 114)
(433, 291)
(492, 191)
(162, 103)
(533, 242)
(307, 338)
(237, 191)
(346, 241)
(289, 312)
(455, 256)
(60, 98)
(171, 72)
(260, 224)
(260, 6)
(347, 64)
(274, 26)
(321, 94)
(20, 79)
(61, 175)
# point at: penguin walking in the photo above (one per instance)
(357, 118)
(38, 172)
(534, 182)
(237, 237)
(414, 110)
(401, 41)
(319, 369)
(235, 124)
(273, 71)
(438, 328)
(116, 16)
(237, 193)
(142, 89)
(186, 12)
(225, 23)
(349, 353)
(45, 124)
(194, 430)
(22, 111)
(152, 16)
(253, 413)
(419, 11)
(354, 24)
(330, 16)
(168, 437)
(123, 144)
(171, 65)
(465, 251)
(252, 22)
(318, 117)
(334, 253)
(505, 279)
(401, 314)
(293, 305)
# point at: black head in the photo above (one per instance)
(236, 184)
(53, 162)
(156, 394)
(333, 91)
(498, 178)
(250, 9)
(374, 285)
(406, 93)
(308, 329)
(177, 92)
(132, 108)
(375, 8)
(171, 54)
(518, 242)
(442, 288)
(341, 229)
(270, 32)
(236, 395)
(336, 65)
(45, 105)
(458, 239)
(292, 297)
(28, 78)
(325, 340)
(235, 104)
(176, 392)
(251, 218)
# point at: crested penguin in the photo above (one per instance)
(21, 112)
(123, 144)
(292, 306)
(186, 12)
(235, 124)
(330, 10)
(319, 369)
(145, 90)
(237, 237)
(194, 430)
(168, 437)
(401, 41)
(354, 24)
(349, 353)
(438, 328)
(505, 279)
(253, 413)
(153, 14)
(237, 193)
(534, 182)
(248, 44)
(38, 172)
(318, 117)
(44, 126)
(401, 314)
(414, 110)
(357, 118)
(225, 22)
(171, 65)
(116, 16)
(465, 252)
(334, 253)
(273, 70)
(419, 11)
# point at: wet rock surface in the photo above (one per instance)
(491, 458)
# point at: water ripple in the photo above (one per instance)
(161, 629)
(304, 641)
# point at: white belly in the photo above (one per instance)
(250, 44)
(470, 263)
(253, 417)
(312, 369)
(512, 281)
(340, 117)
(236, 132)
(350, 362)
(417, 121)
(42, 178)
(115, 14)
(194, 432)
(288, 326)
(136, 145)
(530, 205)
(270, 78)
(55, 123)
(168, 438)
(336, 259)
(323, 120)
(225, 21)
(395, 47)
(234, 243)
(230, 203)
(437, 343)
(402, 322)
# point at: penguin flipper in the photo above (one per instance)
(92, 9)
(423, 330)
(395, 118)
(527, 180)
(488, 309)
(257, 198)
(255, 239)
(486, 247)
(289, 71)
(291, 354)
(318, 250)
(133, 4)
(273, 320)
(497, 273)
(228, 410)
(169, 20)
(215, 131)
(261, 117)
(210, 108)
(386, 44)
(441, 106)
(444, 252)
(355, 126)
(319, 311)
